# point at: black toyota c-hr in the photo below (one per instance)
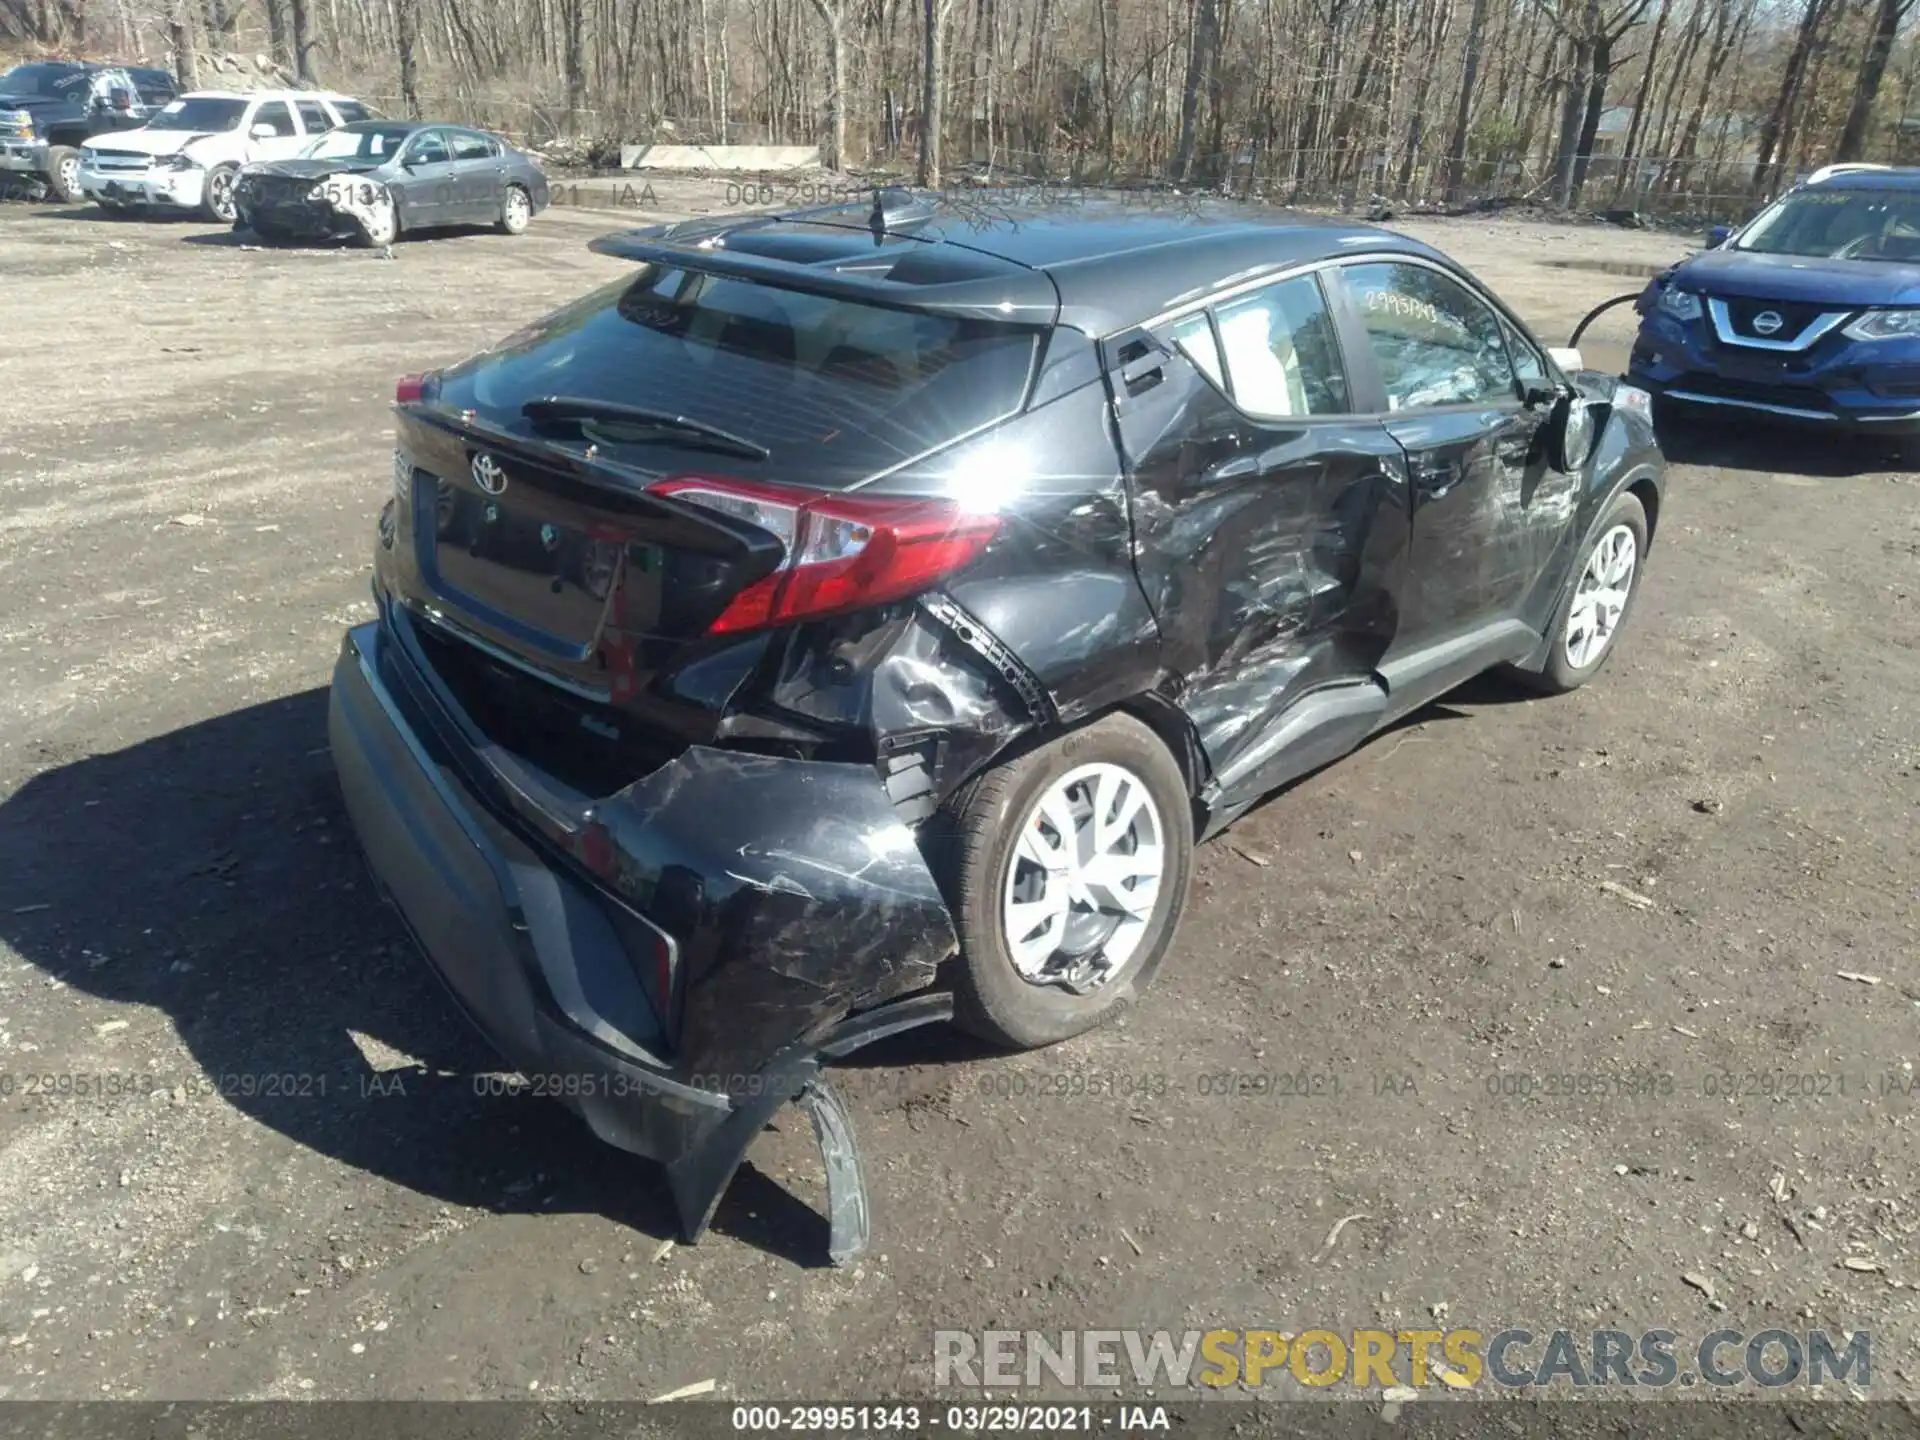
(853, 618)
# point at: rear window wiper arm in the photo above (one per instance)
(552, 408)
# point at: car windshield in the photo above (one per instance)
(50, 81)
(374, 145)
(1840, 225)
(206, 114)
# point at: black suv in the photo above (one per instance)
(854, 618)
(49, 108)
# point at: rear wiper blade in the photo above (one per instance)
(551, 408)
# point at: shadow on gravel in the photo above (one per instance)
(211, 874)
(1728, 444)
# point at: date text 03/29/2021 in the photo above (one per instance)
(965, 1419)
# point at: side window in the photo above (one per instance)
(1282, 357)
(1194, 337)
(314, 117)
(1436, 343)
(428, 148)
(276, 114)
(1529, 365)
(468, 146)
(350, 111)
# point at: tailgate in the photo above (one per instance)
(563, 564)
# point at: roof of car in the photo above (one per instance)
(1113, 262)
(405, 127)
(264, 95)
(1880, 177)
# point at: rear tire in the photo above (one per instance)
(1080, 962)
(516, 211)
(63, 173)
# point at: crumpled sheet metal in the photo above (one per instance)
(808, 891)
(368, 203)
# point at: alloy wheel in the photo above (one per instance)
(1083, 879)
(69, 178)
(1601, 597)
(519, 211)
(220, 195)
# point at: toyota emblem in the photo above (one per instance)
(488, 475)
(1767, 322)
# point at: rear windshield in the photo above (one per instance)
(836, 391)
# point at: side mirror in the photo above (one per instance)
(263, 132)
(1566, 357)
(1718, 236)
(1570, 433)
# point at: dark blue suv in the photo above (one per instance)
(1810, 313)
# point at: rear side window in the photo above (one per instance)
(1282, 358)
(468, 146)
(313, 115)
(1435, 342)
(835, 390)
(350, 111)
(274, 113)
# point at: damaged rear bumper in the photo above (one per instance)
(677, 965)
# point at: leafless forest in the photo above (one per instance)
(1683, 106)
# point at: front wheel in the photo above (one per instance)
(63, 173)
(1066, 870)
(379, 228)
(1588, 622)
(217, 203)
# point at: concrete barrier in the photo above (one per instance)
(719, 157)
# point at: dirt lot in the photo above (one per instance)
(197, 446)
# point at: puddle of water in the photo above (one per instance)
(1637, 268)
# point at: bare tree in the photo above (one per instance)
(833, 15)
(932, 87)
(406, 40)
(1887, 16)
(1463, 107)
(181, 46)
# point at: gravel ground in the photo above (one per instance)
(1702, 866)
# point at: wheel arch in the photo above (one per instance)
(1642, 485)
(1647, 492)
(1159, 714)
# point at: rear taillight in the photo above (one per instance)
(410, 389)
(844, 552)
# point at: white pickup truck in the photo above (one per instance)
(185, 159)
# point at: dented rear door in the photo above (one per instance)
(1270, 522)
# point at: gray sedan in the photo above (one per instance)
(370, 180)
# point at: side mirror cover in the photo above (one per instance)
(1570, 433)
(263, 132)
(1718, 236)
(1566, 357)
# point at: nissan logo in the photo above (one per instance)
(1767, 322)
(488, 475)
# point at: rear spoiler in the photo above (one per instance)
(1019, 297)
